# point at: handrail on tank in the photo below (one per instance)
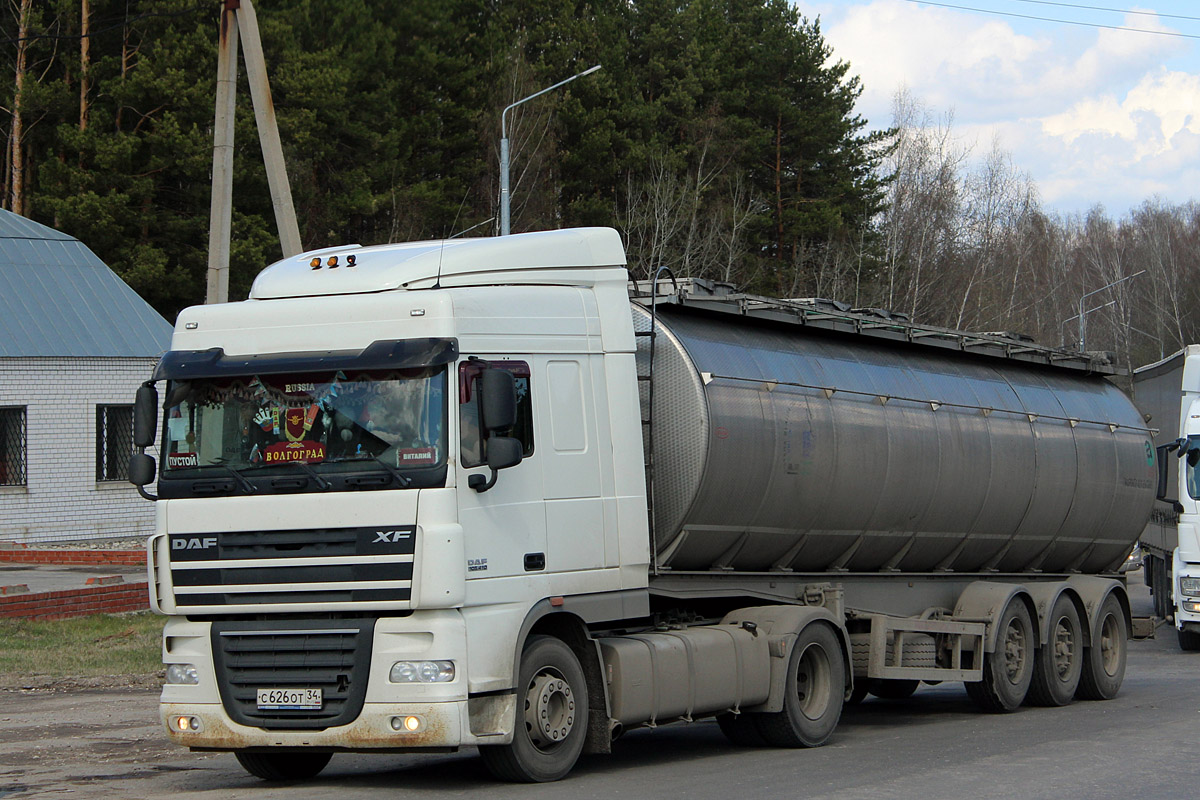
(652, 333)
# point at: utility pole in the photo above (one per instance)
(238, 21)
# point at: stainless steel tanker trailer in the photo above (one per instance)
(526, 524)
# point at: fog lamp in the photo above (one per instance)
(408, 724)
(186, 724)
(1191, 606)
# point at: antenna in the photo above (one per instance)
(437, 284)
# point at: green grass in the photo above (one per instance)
(41, 651)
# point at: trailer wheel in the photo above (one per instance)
(286, 765)
(552, 708)
(741, 729)
(1104, 661)
(1008, 671)
(814, 690)
(1058, 666)
(1189, 641)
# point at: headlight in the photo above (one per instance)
(183, 673)
(1189, 585)
(422, 672)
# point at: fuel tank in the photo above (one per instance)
(780, 447)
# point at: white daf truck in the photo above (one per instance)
(1168, 391)
(488, 493)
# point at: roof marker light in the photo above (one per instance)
(315, 263)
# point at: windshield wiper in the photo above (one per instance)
(400, 477)
(249, 487)
(322, 484)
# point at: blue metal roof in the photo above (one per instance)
(58, 299)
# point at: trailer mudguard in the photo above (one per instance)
(985, 601)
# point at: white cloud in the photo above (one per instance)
(1093, 116)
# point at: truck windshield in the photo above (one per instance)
(327, 422)
(1192, 460)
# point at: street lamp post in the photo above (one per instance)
(504, 194)
(1083, 314)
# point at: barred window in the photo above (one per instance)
(12, 446)
(114, 442)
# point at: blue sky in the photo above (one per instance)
(1094, 116)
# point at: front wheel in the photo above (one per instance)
(552, 708)
(813, 694)
(1189, 641)
(285, 765)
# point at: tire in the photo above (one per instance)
(552, 716)
(286, 765)
(813, 693)
(1104, 661)
(1058, 665)
(741, 729)
(893, 689)
(1189, 641)
(1008, 671)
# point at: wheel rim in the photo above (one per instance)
(813, 681)
(1015, 650)
(549, 710)
(1064, 649)
(1110, 644)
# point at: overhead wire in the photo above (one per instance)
(108, 25)
(1059, 21)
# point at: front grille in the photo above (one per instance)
(333, 655)
(344, 565)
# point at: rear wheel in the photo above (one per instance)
(1058, 665)
(1008, 671)
(552, 703)
(286, 765)
(1104, 661)
(813, 694)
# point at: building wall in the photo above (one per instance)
(62, 500)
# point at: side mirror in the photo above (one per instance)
(141, 472)
(498, 400)
(142, 469)
(1162, 464)
(145, 416)
(504, 452)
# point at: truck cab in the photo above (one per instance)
(383, 454)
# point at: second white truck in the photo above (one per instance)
(1168, 391)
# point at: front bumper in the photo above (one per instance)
(449, 725)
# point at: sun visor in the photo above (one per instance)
(389, 354)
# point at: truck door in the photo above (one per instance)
(504, 528)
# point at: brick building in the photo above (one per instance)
(75, 343)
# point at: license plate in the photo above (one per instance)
(288, 699)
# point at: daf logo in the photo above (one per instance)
(197, 543)
(390, 536)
